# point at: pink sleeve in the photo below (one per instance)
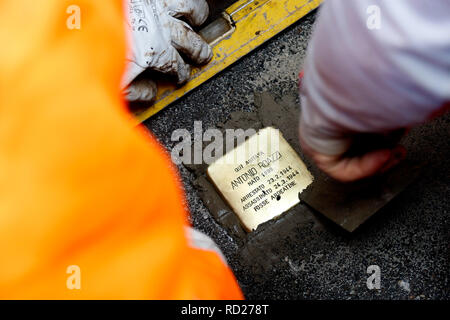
(374, 69)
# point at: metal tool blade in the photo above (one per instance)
(351, 204)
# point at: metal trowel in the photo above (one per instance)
(351, 204)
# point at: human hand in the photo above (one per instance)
(365, 157)
(158, 37)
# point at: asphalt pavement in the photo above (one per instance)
(408, 239)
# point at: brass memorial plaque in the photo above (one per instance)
(261, 178)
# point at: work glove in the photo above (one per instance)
(157, 37)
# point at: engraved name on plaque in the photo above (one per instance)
(261, 178)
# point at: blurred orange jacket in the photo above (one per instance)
(79, 185)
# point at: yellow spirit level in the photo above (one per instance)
(243, 27)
